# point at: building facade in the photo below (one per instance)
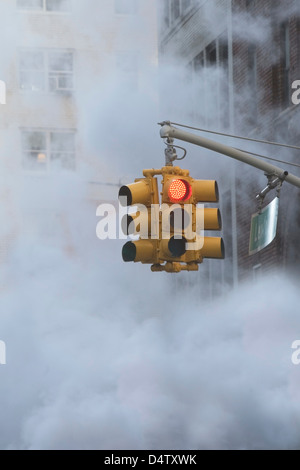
(242, 58)
(58, 56)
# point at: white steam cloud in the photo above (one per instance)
(94, 363)
(107, 355)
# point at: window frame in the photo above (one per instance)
(202, 63)
(169, 19)
(252, 82)
(47, 71)
(285, 50)
(49, 166)
(44, 10)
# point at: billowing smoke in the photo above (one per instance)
(107, 355)
(95, 362)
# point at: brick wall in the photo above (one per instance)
(271, 118)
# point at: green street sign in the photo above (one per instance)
(264, 227)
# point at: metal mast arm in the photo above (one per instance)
(174, 133)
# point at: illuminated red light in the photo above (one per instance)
(179, 190)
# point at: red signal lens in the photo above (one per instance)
(179, 190)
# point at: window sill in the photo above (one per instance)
(47, 93)
(45, 12)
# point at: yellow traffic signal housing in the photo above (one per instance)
(144, 251)
(139, 192)
(143, 193)
(180, 196)
(139, 222)
(213, 247)
(211, 218)
(178, 242)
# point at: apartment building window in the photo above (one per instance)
(173, 9)
(127, 67)
(215, 54)
(48, 71)
(60, 71)
(44, 150)
(210, 82)
(125, 7)
(211, 54)
(30, 4)
(45, 5)
(252, 84)
(166, 14)
(285, 64)
(32, 71)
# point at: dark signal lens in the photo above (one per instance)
(179, 190)
(129, 252)
(125, 196)
(177, 247)
(125, 225)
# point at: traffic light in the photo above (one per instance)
(143, 194)
(171, 234)
(176, 219)
(183, 222)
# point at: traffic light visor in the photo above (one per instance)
(138, 192)
(213, 248)
(125, 192)
(205, 191)
(143, 251)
